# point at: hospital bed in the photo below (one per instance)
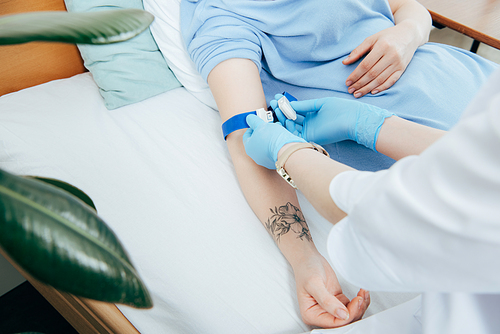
(161, 177)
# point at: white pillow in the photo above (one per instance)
(166, 31)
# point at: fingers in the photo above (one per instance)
(372, 80)
(334, 311)
(281, 117)
(343, 299)
(358, 305)
(384, 81)
(385, 62)
(306, 106)
(247, 135)
(355, 308)
(295, 129)
(368, 70)
(366, 297)
(358, 52)
(299, 120)
(254, 121)
(366, 64)
(378, 78)
(274, 104)
(388, 83)
(329, 303)
(324, 320)
(371, 72)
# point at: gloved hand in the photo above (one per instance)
(264, 140)
(330, 120)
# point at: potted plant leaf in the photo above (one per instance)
(49, 228)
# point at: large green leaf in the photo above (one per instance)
(62, 242)
(100, 27)
(69, 188)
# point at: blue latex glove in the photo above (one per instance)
(264, 140)
(330, 120)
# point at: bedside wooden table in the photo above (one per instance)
(478, 19)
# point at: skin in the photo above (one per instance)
(397, 139)
(388, 53)
(320, 297)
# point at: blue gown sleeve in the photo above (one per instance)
(213, 34)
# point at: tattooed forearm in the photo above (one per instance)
(287, 218)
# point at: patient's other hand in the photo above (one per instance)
(321, 300)
(388, 53)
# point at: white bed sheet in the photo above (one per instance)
(161, 177)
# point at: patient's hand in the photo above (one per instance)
(321, 300)
(388, 53)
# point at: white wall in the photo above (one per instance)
(9, 277)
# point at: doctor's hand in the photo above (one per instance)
(264, 140)
(388, 53)
(321, 300)
(330, 120)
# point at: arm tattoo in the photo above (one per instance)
(285, 219)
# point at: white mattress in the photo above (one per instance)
(161, 177)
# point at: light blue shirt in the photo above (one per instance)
(299, 45)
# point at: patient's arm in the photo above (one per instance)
(236, 86)
(389, 51)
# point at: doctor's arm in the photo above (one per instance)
(330, 120)
(389, 51)
(448, 195)
(441, 197)
(399, 138)
(236, 87)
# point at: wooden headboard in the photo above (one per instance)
(30, 64)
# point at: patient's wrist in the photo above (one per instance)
(300, 253)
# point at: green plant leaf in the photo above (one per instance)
(69, 188)
(63, 243)
(102, 27)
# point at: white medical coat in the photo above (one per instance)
(431, 224)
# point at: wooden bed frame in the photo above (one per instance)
(31, 64)
(85, 315)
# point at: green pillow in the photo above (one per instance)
(129, 71)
